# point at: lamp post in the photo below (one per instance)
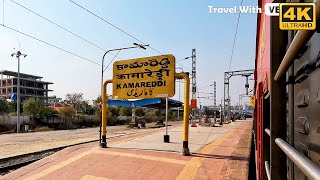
(17, 55)
(179, 95)
(136, 45)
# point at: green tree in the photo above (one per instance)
(153, 113)
(91, 110)
(3, 106)
(125, 111)
(84, 105)
(74, 99)
(67, 112)
(12, 107)
(47, 111)
(139, 112)
(157, 112)
(32, 107)
(98, 115)
(114, 110)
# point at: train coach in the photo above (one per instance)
(286, 127)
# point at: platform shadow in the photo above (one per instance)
(214, 156)
(144, 149)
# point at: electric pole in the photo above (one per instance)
(247, 83)
(215, 100)
(194, 85)
(17, 55)
(221, 113)
(227, 98)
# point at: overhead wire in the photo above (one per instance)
(116, 27)
(52, 45)
(112, 60)
(235, 37)
(92, 13)
(2, 11)
(61, 27)
(204, 93)
(206, 86)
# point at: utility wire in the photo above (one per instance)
(185, 67)
(183, 59)
(206, 86)
(110, 24)
(204, 93)
(61, 27)
(235, 37)
(123, 31)
(3, 12)
(44, 42)
(112, 60)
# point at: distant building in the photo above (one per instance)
(54, 100)
(31, 86)
(59, 106)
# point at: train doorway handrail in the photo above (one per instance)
(308, 167)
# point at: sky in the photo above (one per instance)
(170, 27)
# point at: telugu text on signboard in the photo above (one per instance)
(148, 77)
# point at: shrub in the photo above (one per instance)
(65, 126)
(42, 128)
(7, 127)
(125, 111)
(3, 106)
(139, 112)
(112, 121)
(32, 107)
(114, 111)
(67, 112)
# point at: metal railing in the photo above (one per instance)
(267, 167)
(301, 38)
(267, 131)
(308, 167)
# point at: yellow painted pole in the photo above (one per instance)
(104, 113)
(185, 150)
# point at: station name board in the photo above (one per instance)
(149, 77)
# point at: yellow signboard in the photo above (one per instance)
(252, 101)
(148, 77)
(297, 16)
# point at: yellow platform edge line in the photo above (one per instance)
(60, 165)
(147, 157)
(90, 177)
(191, 169)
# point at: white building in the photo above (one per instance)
(54, 100)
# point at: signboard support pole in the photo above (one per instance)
(166, 136)
(103, 143)
(215, 102)
(185, 149)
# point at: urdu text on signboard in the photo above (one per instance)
(149, 77)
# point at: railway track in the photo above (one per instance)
(15, 162)
(10, 164)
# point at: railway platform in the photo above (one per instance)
(220, 152)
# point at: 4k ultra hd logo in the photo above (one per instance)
(297, 16)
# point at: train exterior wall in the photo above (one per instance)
(262, 79)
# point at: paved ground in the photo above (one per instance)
(17, 144)
(198, 137)
(224, 157)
